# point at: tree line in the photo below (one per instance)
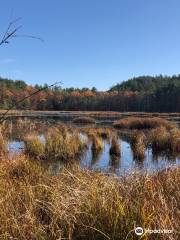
(145, 93)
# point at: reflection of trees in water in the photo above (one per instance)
(114, 162)
(96, 157)
(139, 162)
(163, 155)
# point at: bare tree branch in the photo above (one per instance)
(4, 116)
(12, 32)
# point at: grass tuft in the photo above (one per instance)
(138, 145)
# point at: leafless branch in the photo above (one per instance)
(12, 32)
(4, 116)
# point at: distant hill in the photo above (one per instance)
(146, 93)
(147, 83)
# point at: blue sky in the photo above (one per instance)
(91, 42)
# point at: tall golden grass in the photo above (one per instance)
(34, 147)
(81, 204)
(59, 144)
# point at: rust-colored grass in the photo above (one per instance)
(142, 123)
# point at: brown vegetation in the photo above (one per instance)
(164, 140)
(138, 145)
(78, 205)
(84, 120)
(142, 123)
(59, 144)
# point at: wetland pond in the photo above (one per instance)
(103, 161)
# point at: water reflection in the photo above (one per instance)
(104, 162)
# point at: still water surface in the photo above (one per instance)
(104, 162)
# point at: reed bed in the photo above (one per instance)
(142, 123)
(104, 133)
(59, 144)
(34, 146)
(78, 205)
(160, 139)
(164, 140)
(138, 145)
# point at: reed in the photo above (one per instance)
(34, 147)
(79, 205)
(174, 142)
(63, 146)
(160, 139)
(138, 145)
(115, 147)
(142, 123)
(3, 146)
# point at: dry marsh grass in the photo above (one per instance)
(164, 140)
(78, 205)
(138, 145)
(3, 146)
(84, 120)
(63, 146)
(142, 123)
(160, 139)
(59, 144)
(175, 141)
(34, 147)
(104, 133)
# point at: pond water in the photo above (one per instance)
(105, 163)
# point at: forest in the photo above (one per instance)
(145, 93)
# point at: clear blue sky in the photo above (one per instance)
(91, 42)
